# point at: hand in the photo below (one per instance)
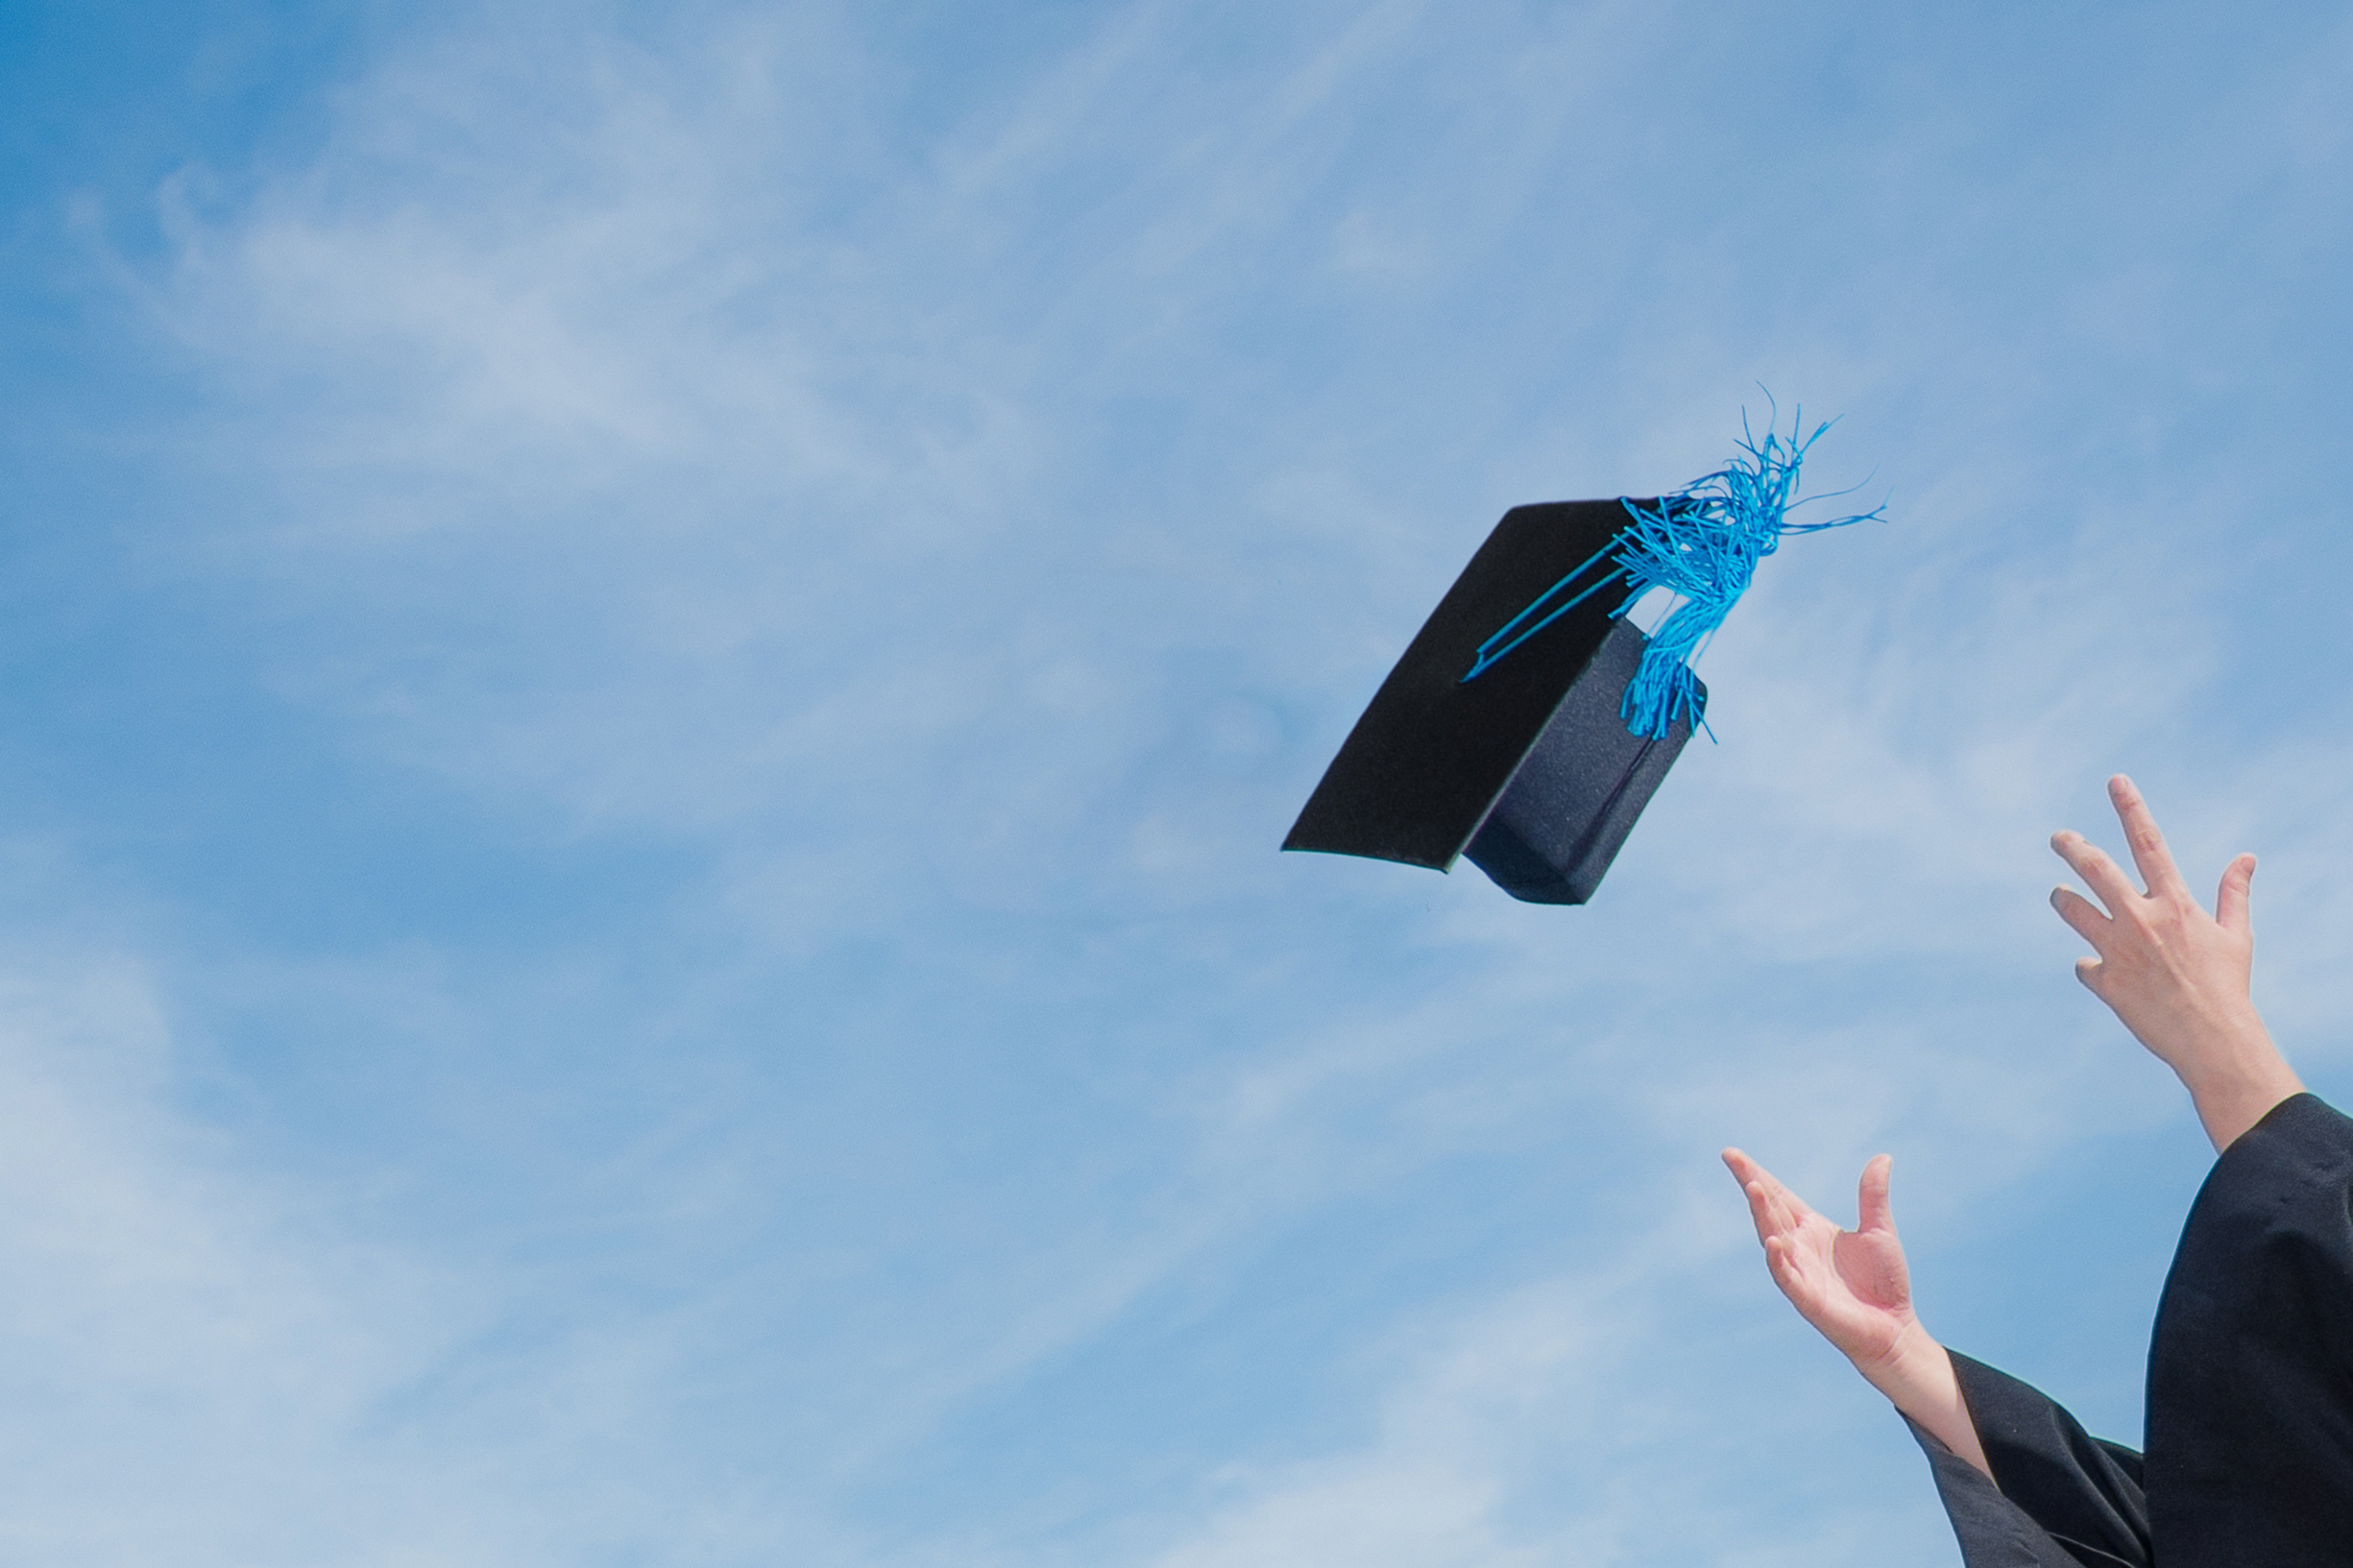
(1855, 1288)
(1852, 1284)
(2176, 977)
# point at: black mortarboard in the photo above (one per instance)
(1530, 768)
(1529, 724)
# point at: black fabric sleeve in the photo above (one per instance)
(2058, 1498)
(2250, 1370)
(1993, 1532)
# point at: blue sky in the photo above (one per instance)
(652, 659)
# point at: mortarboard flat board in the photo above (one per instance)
(1530, 769)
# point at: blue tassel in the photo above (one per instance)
(1702, 544)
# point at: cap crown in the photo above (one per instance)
(1435, 756)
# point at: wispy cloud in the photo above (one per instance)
(847, 535)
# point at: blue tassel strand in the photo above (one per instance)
(1700, 544)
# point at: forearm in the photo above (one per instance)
(1918, 1379)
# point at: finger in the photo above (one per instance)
(1872, 1210)
(1788, 1210)
(1749, 1174)
(2230, 899)
(1753, 1178)
(2081, 915)
(2102, 876)
(1760, 1212)
(2155, 861)
(1773, 1206)
(2087, 970)
(1788, 1270)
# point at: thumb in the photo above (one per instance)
(2231, 898)
(1872, 1208)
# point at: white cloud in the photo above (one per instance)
(193, 1356)
(1543, 1395)
(964, 529)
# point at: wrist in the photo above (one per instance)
(1912, 1371)
(1918, 1378)
(2236, 1078)
(2231, 1102)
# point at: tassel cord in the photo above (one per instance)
(1487, 657)
(1702, 544)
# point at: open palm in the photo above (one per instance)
(1850, 1284)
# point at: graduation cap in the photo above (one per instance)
(1529, 721)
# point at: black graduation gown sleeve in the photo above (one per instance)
(2059, 1498)
(2250, 1392)
(2250, 1370)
